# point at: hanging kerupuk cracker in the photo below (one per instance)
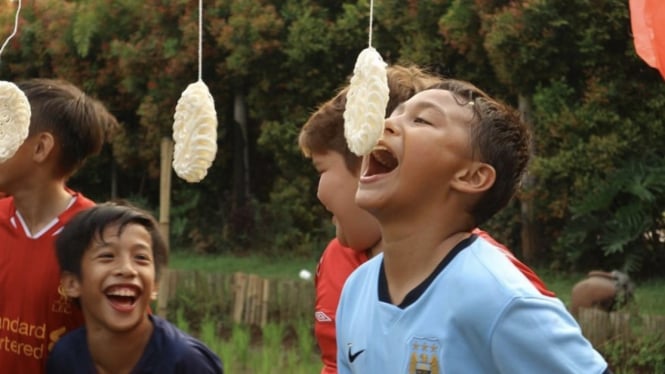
(366, 100)
(14, 119)
(195, 126)
(194, 133)
(14, 110)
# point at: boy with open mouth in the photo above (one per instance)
(440, 298)
(110, 258)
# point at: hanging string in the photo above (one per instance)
(18, 11)
(371, 18)
(200, 39)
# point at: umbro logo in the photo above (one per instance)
(322, 317)
(353, 356)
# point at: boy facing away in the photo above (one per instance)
(66, 128)
(111, 256)
(441, 298)
(358, 234)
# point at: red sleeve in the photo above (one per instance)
(336, 264)
(530, 274)
(34, 312)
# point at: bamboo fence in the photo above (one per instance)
(250, 299)
(599, 326)
(246, 298)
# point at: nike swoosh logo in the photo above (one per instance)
(353, 356)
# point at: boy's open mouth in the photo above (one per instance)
(124, 295)
(381, 161)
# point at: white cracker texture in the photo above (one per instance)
(194, 133)
(14, 119)
(366, 102)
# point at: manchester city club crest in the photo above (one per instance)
(424, 356)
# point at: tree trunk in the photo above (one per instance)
(530, 243)
(240, 153)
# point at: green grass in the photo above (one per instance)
(650, 295)
(560, 284)
(240, 355)
(288, 347)
(283, 268)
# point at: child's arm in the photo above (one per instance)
(538, 335)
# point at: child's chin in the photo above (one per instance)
(368, 201)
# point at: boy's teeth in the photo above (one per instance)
(122, 292)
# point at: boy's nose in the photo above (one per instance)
(126, 269)
(390, 125)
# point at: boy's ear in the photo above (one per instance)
(70, 285)
(44, 146)
(478, 177)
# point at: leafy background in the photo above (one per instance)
(594, 196)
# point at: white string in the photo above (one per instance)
(371, 18)
(18, 10)
(200, 39)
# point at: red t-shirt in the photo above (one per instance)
(336, 264)
(32, 313)
(535, 280)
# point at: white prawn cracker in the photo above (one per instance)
(366, 102)
(14, 119)
(194, 133)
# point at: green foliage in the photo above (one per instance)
(290, 346)
(599, 173)
(272, 352)
(618, 217)
(84, 29)
(525, 40)
(235, 351)
(180, 320)
(644, 354)
(306, 341)
(597, 109)
(250, 31)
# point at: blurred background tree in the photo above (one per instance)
(595, 193)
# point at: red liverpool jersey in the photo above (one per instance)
(33, 315)
(336, 264)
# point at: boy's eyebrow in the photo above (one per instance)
(428, 104)
(399, 108)
(99, 245)
(99, 242)
(420, 105)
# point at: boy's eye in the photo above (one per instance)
(422, 121)
(105, 255)
(142, 257)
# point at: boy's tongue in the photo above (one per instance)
(122, 303)
(122, 298)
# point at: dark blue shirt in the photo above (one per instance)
(169, 350)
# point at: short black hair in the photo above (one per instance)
(500, 138)
(77, 235)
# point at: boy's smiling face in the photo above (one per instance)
(423, 153)
(117, 280)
